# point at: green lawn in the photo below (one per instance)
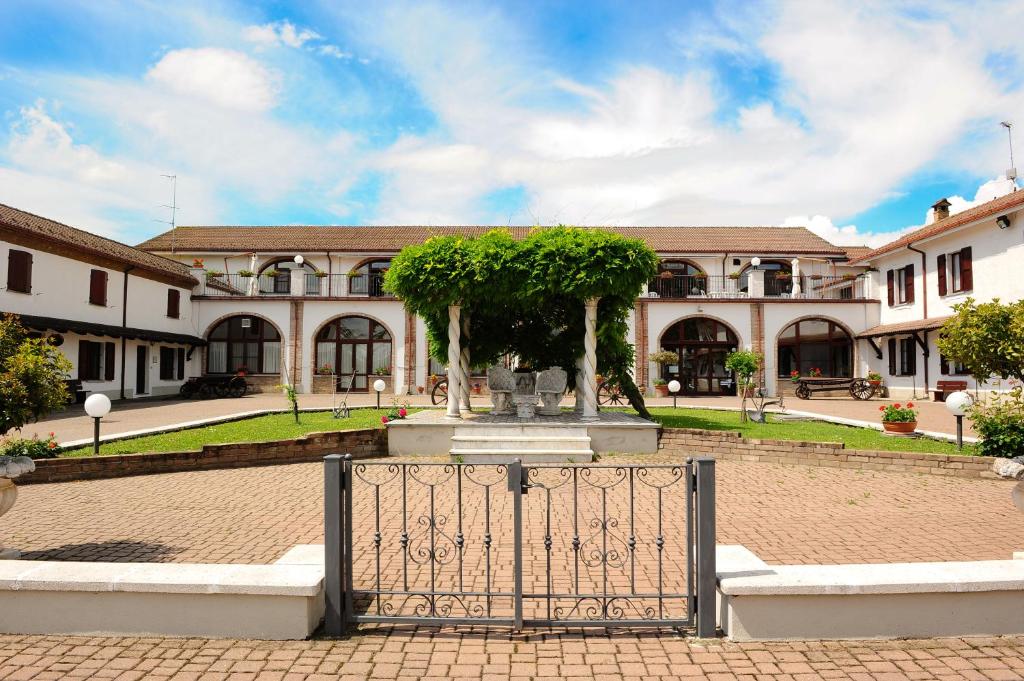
(814, 431)
(259, 429)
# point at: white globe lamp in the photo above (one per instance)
(379, 386)
(299, 260)
(755, 262)
(97, 406)
(958, 403)
(673, 387)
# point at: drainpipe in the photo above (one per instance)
(724, 258)
(924, 293)
(124, 323)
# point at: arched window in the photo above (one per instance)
(368, 278)
(281, 281)
(243, 344)
(815, 344)
(702, 344)
(778, 277)
(354, 348)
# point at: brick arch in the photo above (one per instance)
(395, 377)
(854, 345)
(268, 320)
(701, 315)
(327, 321)
(709, 382)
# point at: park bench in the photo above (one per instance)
(943, 388)
(76, 393)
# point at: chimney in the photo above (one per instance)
(941, 208)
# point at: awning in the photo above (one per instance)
(92, 329)
(901, 328)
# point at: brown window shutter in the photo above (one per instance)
(966, 270)
(890, 278)
(97, 287)
(108, 362)
(911, 357)
(173, 303)
(19, 271)
(181, 363)
(908, 273)
(940, 266)
(83, 360)
(892, 356)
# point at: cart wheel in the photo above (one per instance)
(803, 392)
(237, 387)
(439, 393)
(610, 393)
(205, 391)
(860, 389)
(187, 390)
(221, 389)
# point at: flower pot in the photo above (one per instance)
(875, 383)
(899, 426)
(661, 390)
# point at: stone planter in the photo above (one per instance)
(10, 468)
(902, 427)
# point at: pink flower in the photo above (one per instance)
(383, 419)
(402, 412)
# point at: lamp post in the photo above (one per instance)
(755, 262)
(379, 386)
(673, 387)
(957, 403)
(299, 260)
(97, 406)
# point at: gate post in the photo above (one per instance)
(337, 468)
(515, 486)
(707, 578)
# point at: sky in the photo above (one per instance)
(849, 118)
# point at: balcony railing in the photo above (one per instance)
(371, 285)
(312, 285)
(776, 285)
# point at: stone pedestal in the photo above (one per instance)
(8, 494)
(526, 405)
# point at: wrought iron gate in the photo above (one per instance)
(520, 545)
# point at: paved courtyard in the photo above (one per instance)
(437, 655)
(785, 514)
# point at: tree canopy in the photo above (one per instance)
(526, 297)
(986, 338)
(32, 374)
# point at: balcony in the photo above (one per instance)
(773, 285)
(298, 284)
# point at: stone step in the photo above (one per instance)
(467, 455)
(520, 442)
(512, 430)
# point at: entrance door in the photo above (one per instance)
(702, 344)
(141, 369)
(352, 358)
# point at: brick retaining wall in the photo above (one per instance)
(731, 446)
(360, 444)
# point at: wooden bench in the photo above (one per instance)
(943, 388)
(76, 393)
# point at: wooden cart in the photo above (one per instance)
(859, 388)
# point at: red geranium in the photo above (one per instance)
(383, 419)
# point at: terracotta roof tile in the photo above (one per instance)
(856, 252)
(904, 327)
(1011, 201)
(58, 232)
(753, 240)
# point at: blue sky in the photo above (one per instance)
(851, 118)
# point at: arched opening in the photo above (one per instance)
(355, 348)
(811, 344)
(702, 344)
(243, 343)
(367, 279)
(679, 279)
(275, 277)
(778, 277)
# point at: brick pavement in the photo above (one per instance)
(785, 514)
(446, 654)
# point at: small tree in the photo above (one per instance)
(987, 338)
(32, 376)
(744, 363)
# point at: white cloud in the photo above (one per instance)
(280, 33)
(993, 189)
(227, 78)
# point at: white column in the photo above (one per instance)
(590, 361)
(454, 371)
(795, 262)
(464, 366)
(755, 283)
(581, 384)
(297, 284)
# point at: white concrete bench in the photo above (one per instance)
(279, 601)
(894, 600)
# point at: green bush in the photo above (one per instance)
(34, 448)
(1000, 424)
(745, 363)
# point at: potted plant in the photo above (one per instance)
(476, 388)
(419, 389)
(781, 274)
(899, 419)
(245, 273)
(814, 373)
(661, 387)
(794, 376)
(271, 272)
(197, 263)
(319, 274)
(213, 274)
(874, 378)
(242, 370)
(734, 275)
(382, 371)
(325, 370)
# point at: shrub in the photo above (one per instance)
(34, 448)
(32, 376)
(663, 357)
(745, 364)
(1000, 424)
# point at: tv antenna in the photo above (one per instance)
(173, 206)
(1011, 173)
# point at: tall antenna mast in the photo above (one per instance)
(1011, 174)
(174, 210)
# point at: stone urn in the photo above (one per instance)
(10, 468)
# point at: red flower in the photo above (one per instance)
(896, 406)
(402, 412)
(53, 445)
(51, 434)
(383, 419)
(881, 409)
(910, 405)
